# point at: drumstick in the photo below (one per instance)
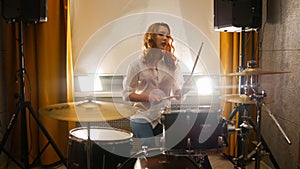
(197, 58)
(168, 97)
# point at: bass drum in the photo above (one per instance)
(154, 159)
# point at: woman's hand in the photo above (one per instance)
(154, 99)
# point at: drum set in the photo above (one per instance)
(109, 147)
(189, 134)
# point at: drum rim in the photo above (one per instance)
(130, 134)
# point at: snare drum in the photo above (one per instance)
(109, 148)
(154, 159)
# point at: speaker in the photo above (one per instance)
(236, 15)
(24, 10)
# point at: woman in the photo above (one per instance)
(150, 81)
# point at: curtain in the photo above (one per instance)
(57, 85)
(232, 55)
(47, 77)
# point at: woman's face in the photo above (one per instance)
(162, 37)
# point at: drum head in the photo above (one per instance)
(108, 148)
(101, 134)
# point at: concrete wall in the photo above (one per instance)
(280, 51)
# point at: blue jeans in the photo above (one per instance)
(143, 130)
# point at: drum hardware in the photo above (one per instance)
(231, 128)
(277, 124)
(189, 145)
(89, 148)
(21, 107)
(222, 142)
(259, 98)
(261, 146)
(144, 150)
(242, 160)
(252, 97)
(243, 101)
(246, 125)
(253, 152)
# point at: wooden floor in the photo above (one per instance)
(221, 162)
(217, 161)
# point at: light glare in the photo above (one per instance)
(205, 86)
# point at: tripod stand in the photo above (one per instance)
(22, 106)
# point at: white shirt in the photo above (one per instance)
(159, 80)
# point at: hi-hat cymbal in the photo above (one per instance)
(241, 98)
(253, 71)
(94, 111)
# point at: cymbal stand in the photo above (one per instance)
(244, 133)
(247, 122)
(259, 101)
(244, 127)
(258, 98)
(21, 108)
(89, 146)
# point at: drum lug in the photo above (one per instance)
(221, 141)
(144, 150)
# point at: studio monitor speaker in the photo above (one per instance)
(24, 10)
(235, 15)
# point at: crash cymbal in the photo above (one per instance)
(94, 111)
(253, 71)
(241, 98)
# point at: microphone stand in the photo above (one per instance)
(21, 108)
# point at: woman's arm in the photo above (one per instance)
(144, 98)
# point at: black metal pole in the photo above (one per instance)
(242, 60)
(22, 98)
(258, 136)
(241, 80)
(25, 105)
(21, 107)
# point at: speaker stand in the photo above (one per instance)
(22, 106)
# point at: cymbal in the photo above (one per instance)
(253, 71)
(94, 111)
(241, 98)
